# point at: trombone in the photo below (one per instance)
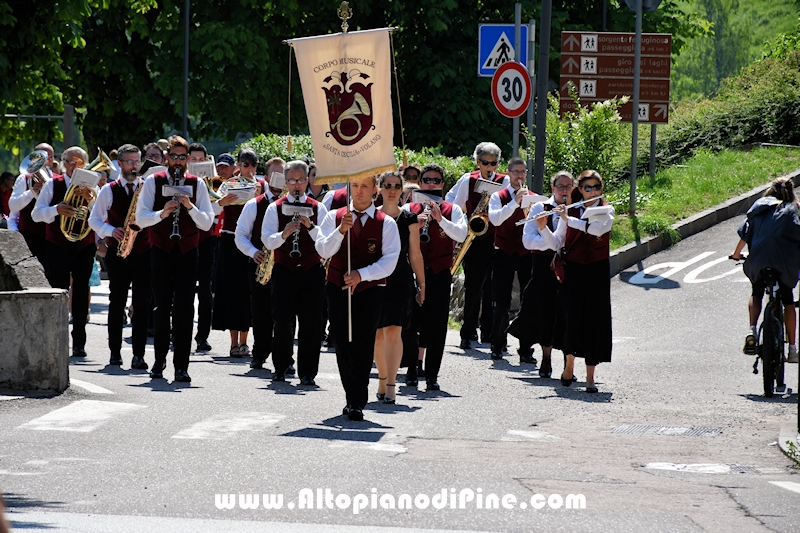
(544, 214)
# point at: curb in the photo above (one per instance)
(632, 253)
(789, 433)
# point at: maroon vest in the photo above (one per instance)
(159, 234)
(364, 251)
(53, 233)
(262, 202)
(583, 248)
(474, 198)
(308, 254)
(550, 224)
(120, 203)
(26, 222)
(232, 214)
(508, 236)
(437, 254)
(339, 199)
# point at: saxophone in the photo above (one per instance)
(478, 225)
(125, 246)
(264, 269)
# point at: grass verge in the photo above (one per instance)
(705, 180)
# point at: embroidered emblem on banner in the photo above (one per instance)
(349, 106)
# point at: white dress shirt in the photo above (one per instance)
(272, 237)
(532, 238)
(244, 226)
(499, 213)
(43, 211)
(330, 240)
(98, 220)
(456, 228)
(13, 221)
(460, 192)
(202, 214)
(555, 240)
(21, 196)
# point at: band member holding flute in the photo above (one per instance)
(541, 316)
(478, 260)
(112, 218)
(510, 256)
(369, 241)
(23, 199)
(587, 284)
(298, 277)
(445, 225)
(248, 240)
(175, 222)
(63, 258)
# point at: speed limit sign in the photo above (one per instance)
(511, 89)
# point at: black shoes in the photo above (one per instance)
(420, 370)
(546, 370)
(356, 415)
(526, 358)
(566, 382)
(380, 396)
(116, 360)
(465, 344)
(203, 346)
(182, 376)
(278, 377)
(497, 356)
(411, 381)
(433, 386)
(290, 371)
(138, 363)
(256, 363)
(307, 381)
(78, 352)
(158, 370)
(591, 389)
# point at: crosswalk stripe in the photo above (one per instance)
(221, 427)
(788, 485)
(91, 387)
(81, 416)
(532, 434)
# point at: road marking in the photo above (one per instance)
(89, 386)
(82, 416)
(328, 375)
(11, 397)
(640, 278)
(620, 340)
(788, 485)
(693, 276)
(374, 446)
(9, 473)
(700, 468)
(531, 434)
(221, 427)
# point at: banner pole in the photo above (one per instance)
(349, 267)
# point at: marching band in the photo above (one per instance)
(283, 255)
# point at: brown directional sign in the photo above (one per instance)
(601, 66)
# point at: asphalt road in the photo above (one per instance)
(678, 439)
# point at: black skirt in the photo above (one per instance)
(398, 296)
(587, 296)
(541, 318)
(232, 293)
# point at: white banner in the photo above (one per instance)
(347, 89)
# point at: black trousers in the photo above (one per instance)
(435, 311)
(261, 308)
(297, 295)
(206, 253)
(174, 276)
(61, 263)
(36, 244)
(354, 359)
(504, 267)
(411, 341)
(477, 288)
(132, 272)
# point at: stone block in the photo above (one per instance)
(18, 268)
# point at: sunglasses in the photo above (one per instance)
(412, 176)
(590, 188)
(182, 157)
(390, 186)
(246, 165)
(487, 163)
(435, 181)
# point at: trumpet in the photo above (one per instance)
(544, 214)
(423, 235)
(125, 246)
(295, 253)
(34, 166)
(176, 230)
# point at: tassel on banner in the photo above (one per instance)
(289, 143)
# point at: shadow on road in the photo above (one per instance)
(663, 283)
(789, 398)
(20, 502)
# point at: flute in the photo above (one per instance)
(548, 213)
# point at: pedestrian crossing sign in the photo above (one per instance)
(496, 46)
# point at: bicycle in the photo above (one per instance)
(771, 335)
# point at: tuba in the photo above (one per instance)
(34, 166)
(478, 225)
(76, 228)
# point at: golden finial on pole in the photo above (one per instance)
(345, 12)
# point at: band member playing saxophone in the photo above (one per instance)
(510, 256)
(113, 218)
(478, 260)
(65, 258)
(174, 235)
(298, 277)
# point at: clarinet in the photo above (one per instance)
(176, 231)
(296, 239)
(423, 236)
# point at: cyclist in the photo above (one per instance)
(772, 234)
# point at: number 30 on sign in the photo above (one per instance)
(511, 89)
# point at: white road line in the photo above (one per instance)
(2, 397)
(9, 473)
(700, 468)
(221, 427)
(82, 416)
(374, 446)
(788, 485)
(531, 434)
(89, 386)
